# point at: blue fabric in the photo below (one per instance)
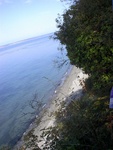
(111, 94)
(111, 99)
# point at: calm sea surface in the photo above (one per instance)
(26, 68)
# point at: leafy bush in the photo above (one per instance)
(84, 124)
(86, 30)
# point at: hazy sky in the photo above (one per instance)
(21, 19)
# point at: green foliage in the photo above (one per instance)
(86, 31)
(84, 124)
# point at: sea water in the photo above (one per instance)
(27, 68)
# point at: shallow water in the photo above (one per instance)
(26, 68)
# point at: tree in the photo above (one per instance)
(86, 30)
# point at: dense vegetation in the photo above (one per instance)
(84, 125)
(87, 33)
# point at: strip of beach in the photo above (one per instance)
(71, 88)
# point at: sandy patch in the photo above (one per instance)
(71, 85)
